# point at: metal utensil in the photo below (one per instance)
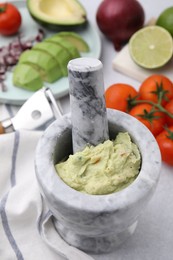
(40, 109)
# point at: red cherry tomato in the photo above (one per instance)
(10, 19)
(165, 142)
(116, 96)
(152, 86)
(153, 120)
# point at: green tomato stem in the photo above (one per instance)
(3, 8)
(156, 105)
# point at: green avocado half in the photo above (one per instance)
(58, 14)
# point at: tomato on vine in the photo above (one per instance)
(169, 108)
(10, 19)
(151, 118)
(156, 88)
(165, 142)
(117, 96)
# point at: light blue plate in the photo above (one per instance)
(29, 28)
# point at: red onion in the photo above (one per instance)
(119, 19)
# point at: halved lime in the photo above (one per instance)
(151, 47)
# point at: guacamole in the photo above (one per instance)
(102, 169)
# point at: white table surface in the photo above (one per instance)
(153, 239)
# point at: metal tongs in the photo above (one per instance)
(40, 109)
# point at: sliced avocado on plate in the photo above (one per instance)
(69, 47)
(58, 14)
(76, 40)
(65, 44)
(57, 52)
(26, 77)
(46, 65)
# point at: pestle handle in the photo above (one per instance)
(87, 102)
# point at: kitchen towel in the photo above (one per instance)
(26, 227)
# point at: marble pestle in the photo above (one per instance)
(87, 102)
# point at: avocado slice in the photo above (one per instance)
(69, 47)
(26, 77)
(76, 40)
(45, 64)
(58, 14)
(59, 53)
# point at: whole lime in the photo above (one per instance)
(165, 20)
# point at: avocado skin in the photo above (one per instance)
(60, 28)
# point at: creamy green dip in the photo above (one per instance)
(102, 169)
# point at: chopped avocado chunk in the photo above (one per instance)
(58, 14)
(76, 40)
(56, 51)
(45, 64)
(69, 47)
(26, 77)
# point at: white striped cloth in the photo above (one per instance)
(26, 228)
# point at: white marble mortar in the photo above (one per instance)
(96, 223)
